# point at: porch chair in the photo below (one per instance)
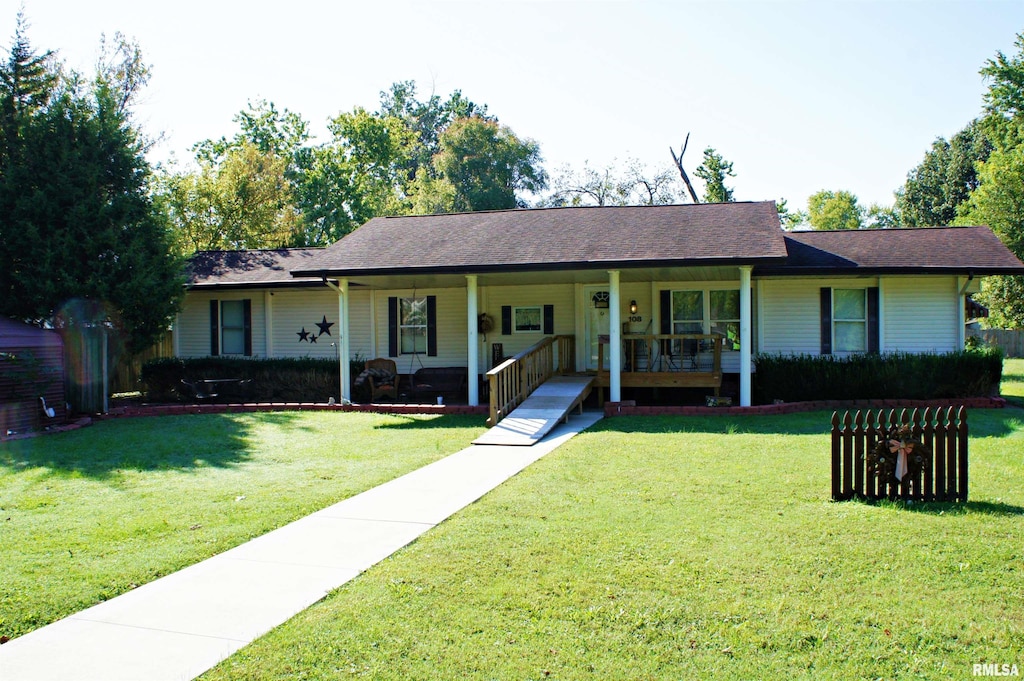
(382, 375)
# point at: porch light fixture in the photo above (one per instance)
(632, 307)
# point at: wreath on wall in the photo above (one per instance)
(484, 323)
(898, 456)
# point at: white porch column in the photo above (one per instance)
(344, 347)
(473, 359)
(745, 335)
(614, 339)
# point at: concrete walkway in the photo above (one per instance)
(181, 625)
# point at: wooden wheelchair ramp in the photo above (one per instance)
(547, 406)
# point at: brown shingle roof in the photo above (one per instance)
(264, 268)
(558, 238)
(933, 249)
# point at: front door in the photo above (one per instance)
(598, 324)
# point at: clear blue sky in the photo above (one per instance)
(801, 96)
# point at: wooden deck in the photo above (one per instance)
(667, 361)
(546, 406)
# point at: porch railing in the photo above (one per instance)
(512, 381)
(668, 353)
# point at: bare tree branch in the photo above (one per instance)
(682, 172)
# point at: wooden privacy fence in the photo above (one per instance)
(1010, 340)
(512, 381)
(912, 456)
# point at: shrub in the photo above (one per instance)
(271, 380)
(898, 375)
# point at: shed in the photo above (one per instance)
(31, 378)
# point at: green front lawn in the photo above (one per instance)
(683, 548)
(89, 514)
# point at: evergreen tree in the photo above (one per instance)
(713, 171)
(77, 221)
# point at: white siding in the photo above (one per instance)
(194, 322)
(494, 297)
(298, 309)
(792, 315)
(451, 329)
(920, 314)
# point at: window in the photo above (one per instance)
(527, 319)
(231, 327)
(413, 326)
(687, 312)
(725, 317)
(704, 311)
(850, 319)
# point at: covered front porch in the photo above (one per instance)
(584, 322)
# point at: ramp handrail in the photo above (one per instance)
(512, 381)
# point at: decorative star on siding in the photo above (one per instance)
(303, 335)
(325, 326)
(312, 338)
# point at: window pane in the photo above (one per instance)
(731, 332)
(687, 305)
(232, 314)
(414, 311)
(851, 337)
(725, 305)
(232, 342)
(849, 304)
(414, 339)
(527, 318)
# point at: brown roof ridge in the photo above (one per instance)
(883, 229)
(553, 208)
(259, 250)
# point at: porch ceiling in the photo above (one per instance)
(569, 276)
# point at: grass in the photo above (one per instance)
(89, 514)
(685, 547)
(1012, 386)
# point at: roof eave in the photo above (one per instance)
(820, 271)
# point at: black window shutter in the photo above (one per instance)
(826, 320)
(666, 312)
(247, 316)
(392, 326)
(549, 319)
(506, 320)
(432, 326)
(874, 344)
(214, 328)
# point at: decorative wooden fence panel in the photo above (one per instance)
(865, 447)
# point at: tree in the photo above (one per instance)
(936, 188)
(998, 198)
(999, 203)
(834, 210)
(713, 171)
(637, 185)
(787, 218)
(78, 222)
(488, 164)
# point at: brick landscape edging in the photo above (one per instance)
(629, 408)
